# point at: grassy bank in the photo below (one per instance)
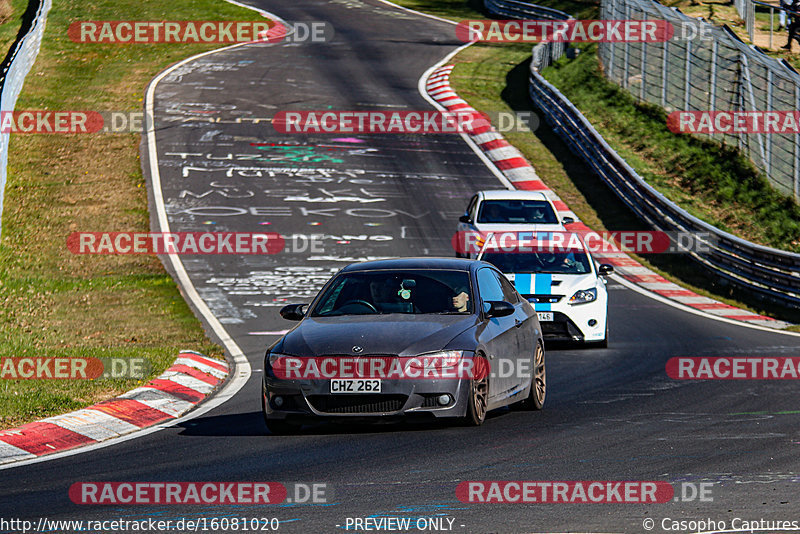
(10, 22)
(55, 303)
(712, 181)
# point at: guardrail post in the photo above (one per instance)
(712, 93)
(627, 52)
(797, 151)
(771, 24)
(643, 69)
(767, 134)
(688, 73)
(752, 98)
(611, 48)
(664, 53)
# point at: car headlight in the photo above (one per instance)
(274, 356)
(583, 296)
(444, 359)
(276, 364)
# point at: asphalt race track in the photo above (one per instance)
(611, 414)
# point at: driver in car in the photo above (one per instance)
(565, 264)
(461, 301)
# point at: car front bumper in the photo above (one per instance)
(311, 399)
(571, 323)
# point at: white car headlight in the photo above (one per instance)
(583, 296)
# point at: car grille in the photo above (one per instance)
(372, 403)
(553, 328)
(561, 327)
(551, 299)
(430, 401)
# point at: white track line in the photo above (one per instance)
(241, 372)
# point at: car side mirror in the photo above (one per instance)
(605, 268)
(465, 219)
(567, 220)
(293, 312)
(499, 308)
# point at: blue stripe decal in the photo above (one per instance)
(522, 283)
(542, 286)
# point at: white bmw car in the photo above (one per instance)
(566, 287)
(506, 210)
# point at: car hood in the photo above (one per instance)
(551, 284)
(399, 334)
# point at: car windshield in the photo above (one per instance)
(407, 292)
(540, 262)
(516, 212)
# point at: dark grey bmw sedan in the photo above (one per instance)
(430, 337)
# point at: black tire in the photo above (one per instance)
(477, 402)
(538, 390)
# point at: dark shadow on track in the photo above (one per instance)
(235, 424)
(252, 424)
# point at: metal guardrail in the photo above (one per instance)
(523, 10)
(773, 273)
(515, 9)
(21, 57)
(715, 71)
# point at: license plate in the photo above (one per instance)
(545, 316)
(356, 386)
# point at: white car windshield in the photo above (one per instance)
(540, 262)
(516, 212)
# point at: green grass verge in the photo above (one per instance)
(10, 22)
(55, 303)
